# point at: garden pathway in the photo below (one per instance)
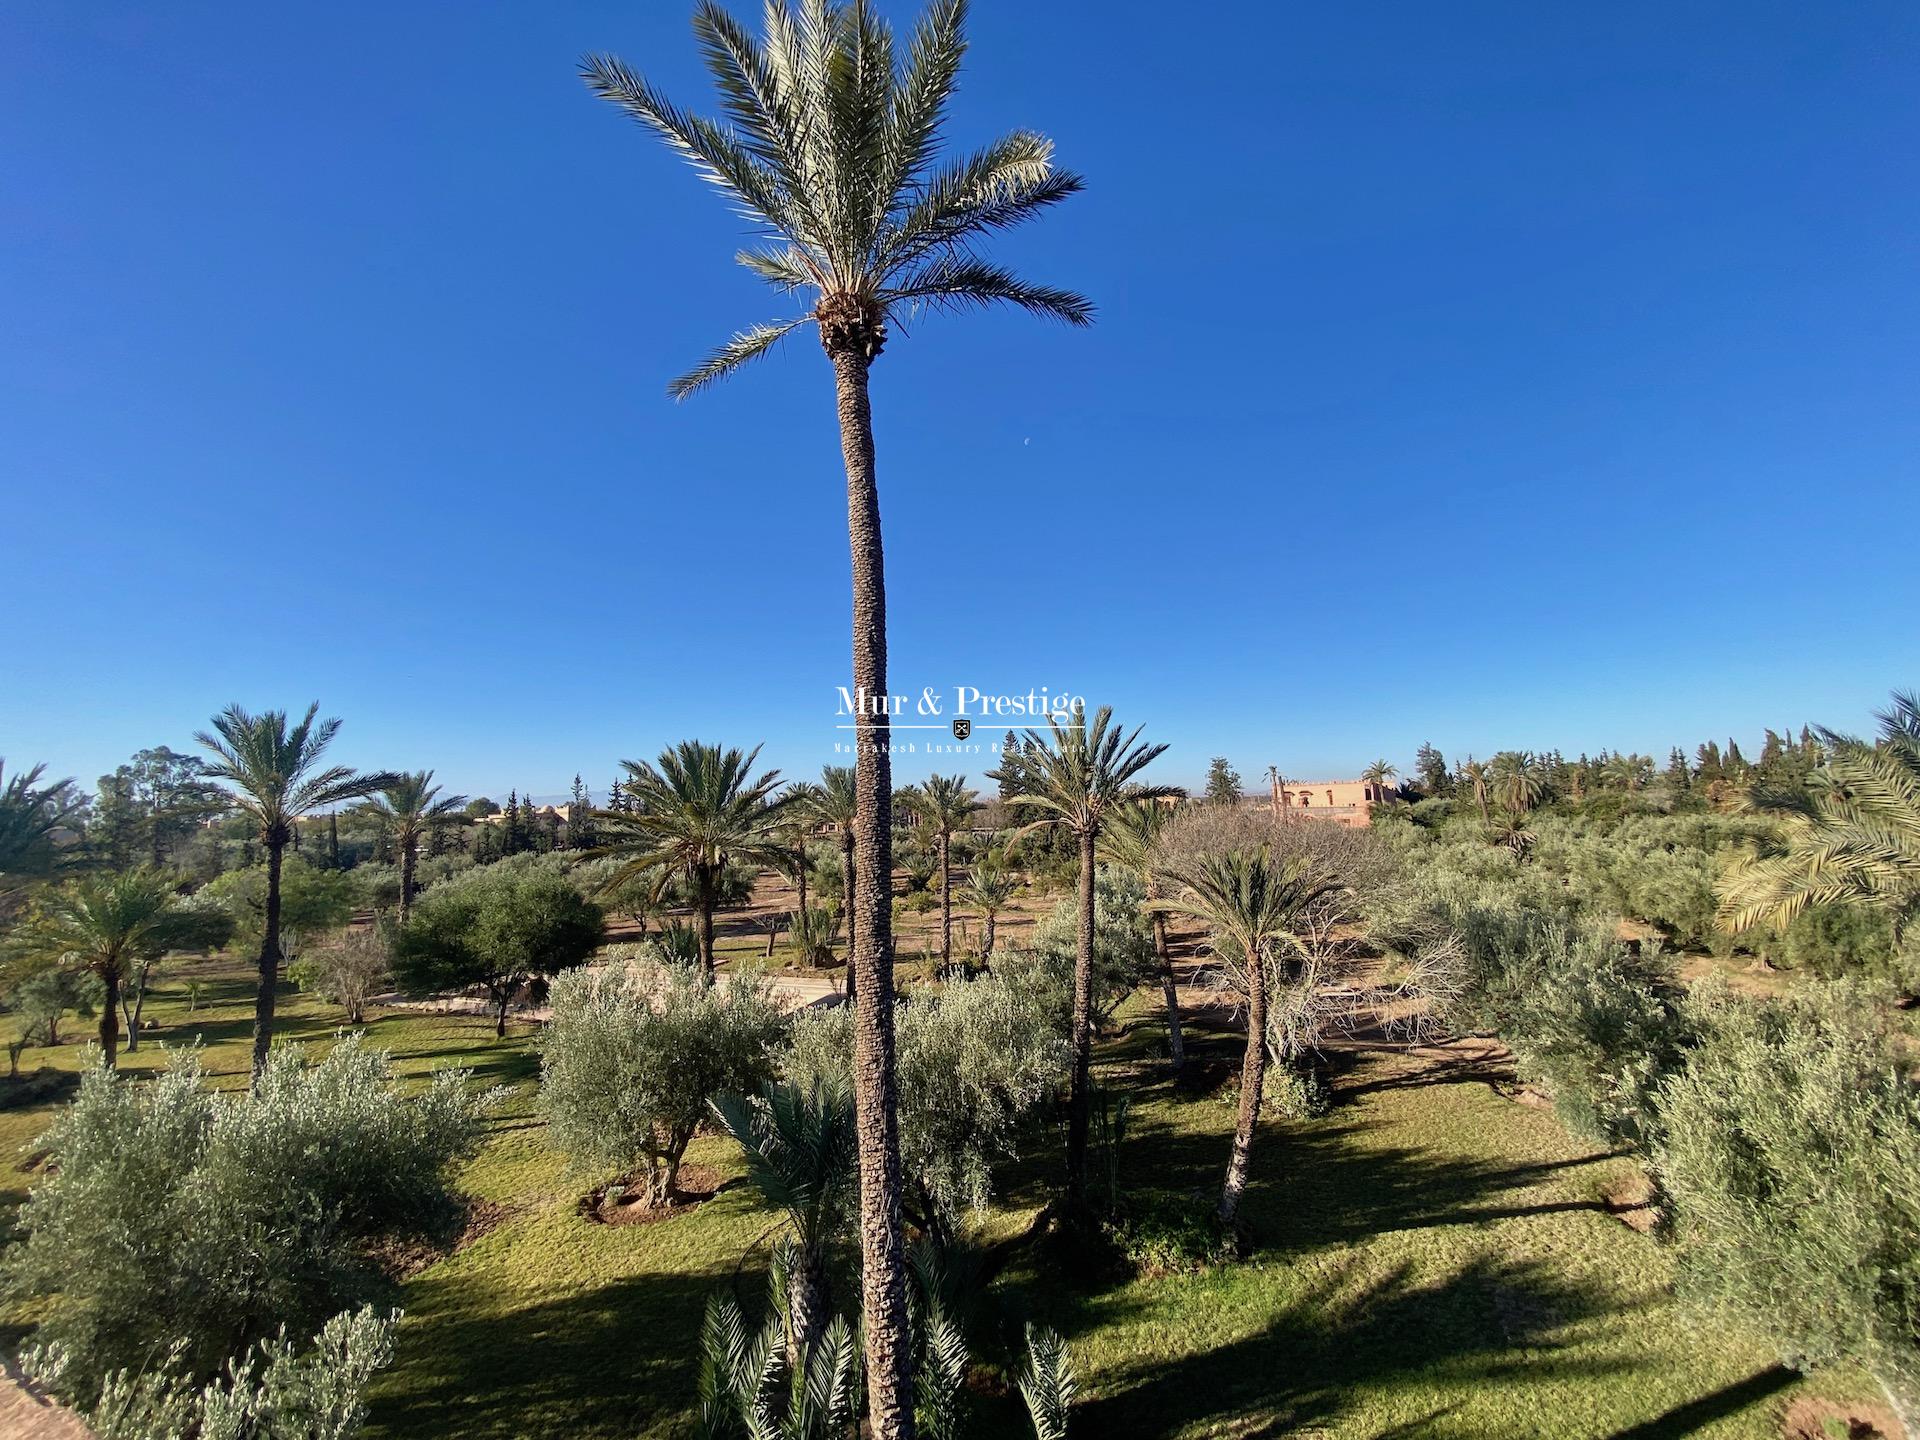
(26, 1413)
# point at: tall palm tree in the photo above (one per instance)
(1130, 839)
(114, 925)
(275, 775)
(1519, 780)
(1077, 777)
(411, 806)
(830, 145)
(944, 804)
(990, 887)
(795, 832)
(1852, 837)
(1479, 778)
(1378, 774)
(835, 802)
(1250, 901)
(693, 811)
(799, 1147)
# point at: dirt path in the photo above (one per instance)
(27, 1413)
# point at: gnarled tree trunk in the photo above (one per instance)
(851, 342)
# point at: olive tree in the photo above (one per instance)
(1789, 1149)
(498, 929)
(638, 1050)
(976, 1061)
(174, 1218)
(348, 970)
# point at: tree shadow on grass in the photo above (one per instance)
(1728, 1400)
(621, 1359)
(1484, 1324)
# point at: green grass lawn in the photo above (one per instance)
(1430, 1259)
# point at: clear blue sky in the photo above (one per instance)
(1495, 374)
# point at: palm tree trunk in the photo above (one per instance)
(406, 877)
(110, 1015)
(807, 1304)
(846, 901)
(1078, 1099)
(986, 939)
(801, 875)
(946, 903)
(703, 896)
(269, 957)
(883, 1269)
(133, 1001)
(1176, 1042)
(1253, 1078)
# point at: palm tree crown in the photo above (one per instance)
(1518, 780)
(1081, 773)
(412, 802)
(31, 815)
(830, 145)
(696, 808)
(111, 924)
(411, 805)
(1852, 836)
(275, 772)
(943, 802)
(800, 1147)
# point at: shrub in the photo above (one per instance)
(1594, 1021)
(497, 928)
(347, 971)
(376, 886)
(974, 1061)
(1163, 1232)
(1790, 1150)
(1297, 1092)
(275, 1391)
(177, 1220)
(636, 1052)
(312, 902)
(1599, 1027)
(1123, 951)
(814, 932)
(678, 943)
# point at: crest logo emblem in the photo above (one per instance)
(962, 727)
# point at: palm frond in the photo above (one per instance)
(963, 282)
(714, 151)
(1047, 1384)
(745, 346)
